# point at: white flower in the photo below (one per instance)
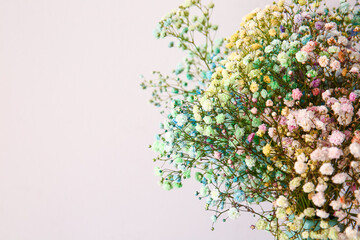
(281, 213)
(295, 183)
(181, 119)
(355, 149)
(339, 178)
(308, 187)
(321, 187)
(300, 167)
(351, 233)
(324, 224)
(318, 199)
(261, 224)
(282, 202)
(233, 213)
(335, 204)
(269, 49)
(206, 104)
(321, 213)
(343, 40)
(319, 154)
(301, 56)
(309, 212)
(305, 235)
(326, 169)
(301, 157)
(215, 194)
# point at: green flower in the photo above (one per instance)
(283, 58)
(167, 185)
(220, 118)
(302, 56)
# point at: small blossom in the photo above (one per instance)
(339, 178)
(355, 149)
(321, 213)
(282, 202)
(318, 199)
(336, 137)
(323, 61)
(326, 169)
(296, 94)
(308, 187)
(233, 213)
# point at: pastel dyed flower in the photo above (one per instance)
(323, 61)
(296, 94)
(336, 137)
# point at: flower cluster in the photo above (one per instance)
(274, 119)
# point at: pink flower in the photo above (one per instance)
(217, 155)
(269, 103)
(336, 137)
(251, 137)
(335, 153)
(296, 94)
(335, 65)
(262, 127)
(326, 95)
(354, 70)
(253, 110)
(283, 120)
(309, 47)
(316, 91)
(352, 97)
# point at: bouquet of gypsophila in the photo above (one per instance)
(270, 115)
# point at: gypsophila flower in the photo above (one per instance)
(269, 114)
(326, 169)
(233, 213)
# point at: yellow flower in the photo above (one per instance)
(256, 46)
(267, 150)
(316, 4)
(272, 32)
(229, 45)
(267, 79)
(289, 211)
(247, 39)
(274, 23)
(260, 133)
(232, 56)
(254, 87)
(241, 83)
(249, 16)
(242, 33)
(281, 3)
(234, 37)
(302, 2)
(284, 35)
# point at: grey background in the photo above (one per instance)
(75, 125)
